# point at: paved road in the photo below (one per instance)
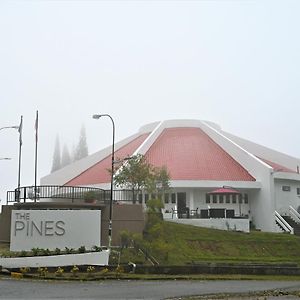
(114, 289)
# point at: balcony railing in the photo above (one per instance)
(70, 193)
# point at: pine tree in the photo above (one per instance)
(65, 157)
(56, 163)
(82, 148)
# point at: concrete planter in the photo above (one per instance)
(92, 258)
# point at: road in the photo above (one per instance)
(114, 289)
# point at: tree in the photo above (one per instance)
(81, 150)
(56, 163)
(65, 157)
(137, 174)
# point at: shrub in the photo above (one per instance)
(74, 270)
(59, 271)
(35, 251)
(42, 271)
(57, 251)
(23, 253)
(96, 248)
(45, 252)
(103, 271)
(81, 249)
(90, 269)
(24, 270)
(69, 250)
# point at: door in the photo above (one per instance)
(181, 205)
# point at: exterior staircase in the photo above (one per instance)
(294, 224)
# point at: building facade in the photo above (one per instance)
(214, 174)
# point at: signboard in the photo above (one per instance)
(54, 229)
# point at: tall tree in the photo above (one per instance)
(65, 157)
(81, 150)
(56, 162)
(137, 174)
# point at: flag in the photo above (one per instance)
(36, 126)
(20, 131)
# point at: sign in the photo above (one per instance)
(54, 229)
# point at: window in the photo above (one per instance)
(214, 198)
(207, 198)
(246, 201)
(286, 188)
(173, 198)
(221, 198)
(140, 198)
(227, 198)
(146, 198)
(298, 191)
(167, 198)
(240, 198)
(233, 198)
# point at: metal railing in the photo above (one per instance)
(61, 193)
(283, 223)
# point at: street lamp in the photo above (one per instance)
(112, 175)
(7, 127)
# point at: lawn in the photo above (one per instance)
(177, 244)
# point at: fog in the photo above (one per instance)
(235, 63)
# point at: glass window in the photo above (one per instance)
(221, 198)
(246, 201)
(173, 198)
(227, 198)
(207, 198)
(214, 198)
(298, 191)
(233, 198)
(146, 198)
(167, 198)
(286, 188)
(240, 198)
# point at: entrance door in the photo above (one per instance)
(181, 205)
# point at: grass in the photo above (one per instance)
(177, 244)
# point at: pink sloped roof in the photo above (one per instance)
(224, 191)
(277, 167)
(190, 154)
(98, 173)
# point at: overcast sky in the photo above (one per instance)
(235, 63)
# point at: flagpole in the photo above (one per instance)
(20, 154)
(36, 150)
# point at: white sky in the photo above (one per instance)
(235, 63)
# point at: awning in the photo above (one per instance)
(225, 191)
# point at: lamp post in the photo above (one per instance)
(112, 175)
(19, 128)
(7, 127)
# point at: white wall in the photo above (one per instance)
(55, 229)
(284, 198)
(222, 224)
(263, 205)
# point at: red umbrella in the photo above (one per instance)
(224, 191)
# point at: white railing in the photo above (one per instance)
(283, 223)
(294, 214)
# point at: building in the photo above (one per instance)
(215, 176)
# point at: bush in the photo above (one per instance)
(69, 250)
(24, 270)
(42, 271)
(35, 251)
(75, 270)
(81, 249)
(59, 271)
(57, 251)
